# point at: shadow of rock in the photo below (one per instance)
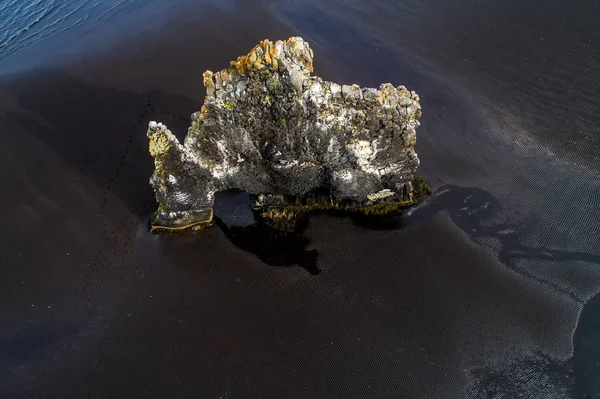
(274, 247)
(471, 209)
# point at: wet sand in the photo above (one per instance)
(485, 290)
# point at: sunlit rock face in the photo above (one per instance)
(269, 128)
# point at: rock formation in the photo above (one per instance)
(271, 129)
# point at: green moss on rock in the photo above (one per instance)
(285, 217)
(421, 188)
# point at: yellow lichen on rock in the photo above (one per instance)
(241, 64)
(196, 226)
(267, 53)
(159, 145)
(387, 92)
(207, 76)
(266, 44)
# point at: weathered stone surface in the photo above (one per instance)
(268, 127)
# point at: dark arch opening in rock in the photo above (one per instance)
(232, 208)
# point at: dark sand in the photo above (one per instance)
(486, 290)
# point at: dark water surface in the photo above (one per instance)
(489, 289)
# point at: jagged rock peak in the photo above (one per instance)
(270, 128)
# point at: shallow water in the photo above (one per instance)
(487, 289)
(27, 23)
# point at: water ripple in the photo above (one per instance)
(31, 23)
